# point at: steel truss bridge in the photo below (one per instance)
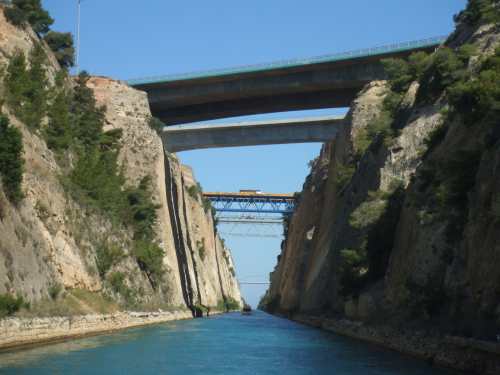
(251, 214)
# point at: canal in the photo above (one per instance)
(225, 344)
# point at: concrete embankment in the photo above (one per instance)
(459, 353)
(18, 332)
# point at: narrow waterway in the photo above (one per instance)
(226, 344)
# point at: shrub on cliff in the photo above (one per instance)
(142, 210)
(11, 161)
(119, 286)
(30, 11)
(352, 270)
(344, 173)
(150, 259)
(227, 304)
(62, 46)
(156, 124)
(479, 12)
(107, 255)
(445, 67)
(10, 304)
(476, 99)
(195, 191)
(368, 212)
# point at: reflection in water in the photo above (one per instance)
(229, 344)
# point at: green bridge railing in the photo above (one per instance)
(391, 48)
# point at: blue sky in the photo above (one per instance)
(127, 39)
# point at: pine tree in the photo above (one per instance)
(62, 46)
(11, 161)
(58, 131)
(88, 118)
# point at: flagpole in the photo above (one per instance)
(78, 41)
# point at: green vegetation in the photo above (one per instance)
(475, 99)
(10, 305)
(479, 12)
(142, 210)
(107, 255)
(156, 124)
(443, 68)
(424, 300)
(352, 270)
(227, 304)
(370, 211)
(435, 137)
(344, 173)
(72, 302)
(58, 133)
(30, 11)
(375, 217)
(150, 259)
(26, 88)
(200, 310)
(400, 74)
(54, 290)
(62, 46)
(195, 191)
(11, 161)
(119, 286)
(75, 124)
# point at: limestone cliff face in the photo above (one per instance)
(49, 239)
(420, 273)
(319, 228)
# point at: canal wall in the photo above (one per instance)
(59, 250)
(397, 225)
(16, 332)
(461, 353)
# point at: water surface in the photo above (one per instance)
(225, 344)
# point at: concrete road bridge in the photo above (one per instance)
(322, 82)
(303, 130)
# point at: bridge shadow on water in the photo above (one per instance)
(224, 344)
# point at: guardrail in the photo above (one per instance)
(384, 49)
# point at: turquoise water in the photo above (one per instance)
(227, 344)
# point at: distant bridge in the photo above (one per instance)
(322, 82)
(252, 213)
(252, 202)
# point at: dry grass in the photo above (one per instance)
(71, 303)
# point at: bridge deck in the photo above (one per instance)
(331, 81)
(248, 195)
(292, 63)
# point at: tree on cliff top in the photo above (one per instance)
(30, 11)
(62, 46)
(479, 12)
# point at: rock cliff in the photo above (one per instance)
(50, 242)
(399, 225)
